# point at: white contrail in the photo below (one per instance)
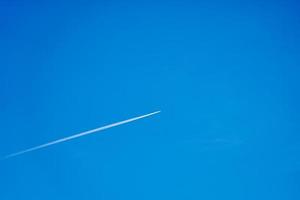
(80, 135)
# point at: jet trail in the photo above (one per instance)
(80, 135)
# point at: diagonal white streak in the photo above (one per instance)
(80, 135)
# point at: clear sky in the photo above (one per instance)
(224, 73)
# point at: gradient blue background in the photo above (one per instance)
(224, 73)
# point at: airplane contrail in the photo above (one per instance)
(79, 135)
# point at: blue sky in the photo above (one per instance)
(224, 74)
